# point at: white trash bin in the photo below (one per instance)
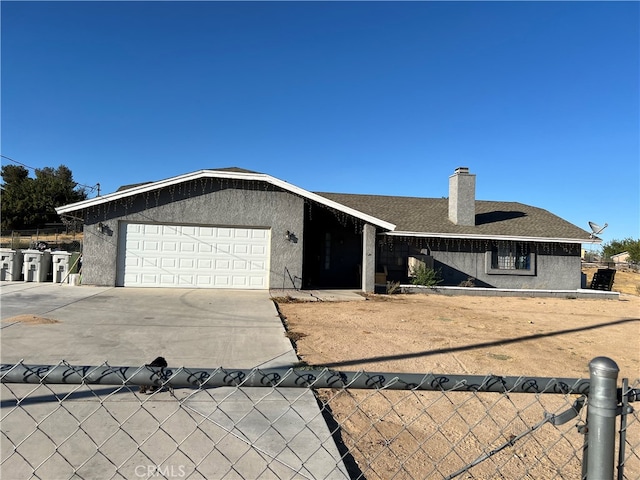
(36, 265)
(10, 264)
(60, 261)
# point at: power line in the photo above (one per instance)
(89, 187)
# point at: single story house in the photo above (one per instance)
(622, 257)
(234, 228)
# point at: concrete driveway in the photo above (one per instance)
(214, 433)
(132, 326)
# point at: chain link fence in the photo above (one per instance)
(629, 438)
(55, 238)
(64, 421)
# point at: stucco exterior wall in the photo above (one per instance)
(556, 266)
(201, 203)
(552, 271)
(368, 258)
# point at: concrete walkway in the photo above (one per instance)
(319, 295)
(213, 433)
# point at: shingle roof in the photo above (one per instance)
(225, 169)
(421, 216)
(430, 216)
(235, 169)
(132, 185)
(229, 173)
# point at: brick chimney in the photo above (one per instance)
(462, 197)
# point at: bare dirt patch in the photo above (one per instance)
(415, 434)
(30, 320)
(468, 335)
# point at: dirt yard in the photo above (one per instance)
(462, 335)
(474, 335)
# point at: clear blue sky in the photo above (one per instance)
(539, 99)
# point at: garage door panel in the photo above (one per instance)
(169, 246)
(222, 265)
(149, 278)
(130, 278)
(187, 263)
(186, 280)
(132, 261)
(168, 263)
(149, 262)
(151, 246)
(205, 264)
(205, 248)
(204, 280)
(241, 249)
(193, 256)
(188, 247)
(239, 282)
(223, 247)
(239, 265)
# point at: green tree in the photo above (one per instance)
(30, 202)
(618, 246)
(15, 187)
(634, 252)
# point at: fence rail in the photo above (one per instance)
(57, 238)
(183, 377)
(69, 421)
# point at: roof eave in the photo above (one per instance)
(229, 175)
(471, 236)
(110, 197)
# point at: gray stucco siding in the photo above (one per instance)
(556, 272)
(559, 272)
(368, 258)
(554, 266)
(204, 205)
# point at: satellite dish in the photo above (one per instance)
(596, 229)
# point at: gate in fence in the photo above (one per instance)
(66, 421)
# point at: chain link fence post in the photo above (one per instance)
(601, 418)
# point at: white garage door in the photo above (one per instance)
(193, 256)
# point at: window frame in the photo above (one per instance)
(490, 269)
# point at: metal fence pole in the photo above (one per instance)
(601, 418)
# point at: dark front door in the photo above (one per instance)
(332, 251)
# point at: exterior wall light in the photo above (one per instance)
(290, 236)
